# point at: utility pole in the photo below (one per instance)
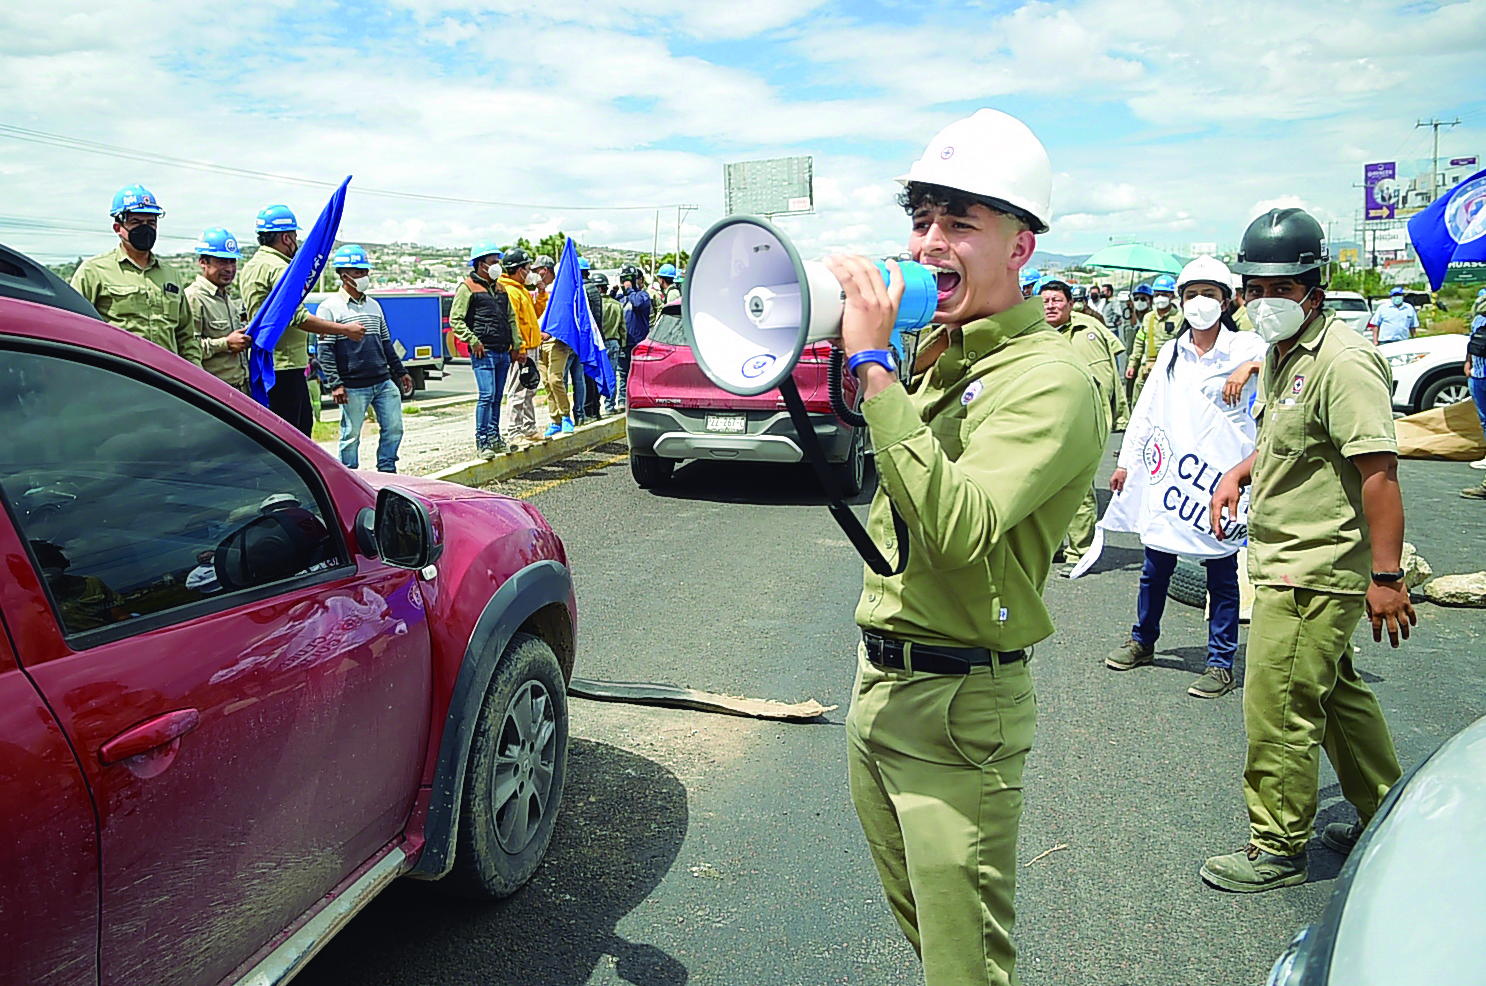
(681, 211)
(655, 245)
(1434, 171)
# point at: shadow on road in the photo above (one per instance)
(622, 823)
(769, 484)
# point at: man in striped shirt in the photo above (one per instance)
(362, 372)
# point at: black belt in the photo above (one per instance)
(887, 652)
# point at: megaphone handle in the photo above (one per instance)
(850, 526)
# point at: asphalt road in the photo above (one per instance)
(703, 849)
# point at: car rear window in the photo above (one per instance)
(1347, 304)
(668, 331)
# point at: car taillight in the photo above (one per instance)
(816, 352)
(651, 351)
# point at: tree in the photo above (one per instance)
(670, 258)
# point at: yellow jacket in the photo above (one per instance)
(526, 313)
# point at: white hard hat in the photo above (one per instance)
(1237, 282)
(993, 156)
(1209, 269)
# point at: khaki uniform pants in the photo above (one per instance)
(1301, 694)
(1081, 529)
(935, 764)
(1140, 378)
(554, 377)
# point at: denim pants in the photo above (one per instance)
(1478, 394)
(386, 400)
(611, 349)
(1222, 591)
(574, 372)
(490, 380)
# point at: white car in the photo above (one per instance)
(1350, 307)
(1428, 371)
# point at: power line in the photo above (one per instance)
(149, 157)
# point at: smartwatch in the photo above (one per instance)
(882, 357)
(1387, 578)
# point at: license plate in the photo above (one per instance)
(727, 423)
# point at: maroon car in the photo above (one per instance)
(242, 687)
(675, 412)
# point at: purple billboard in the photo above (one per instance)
(1380, 190)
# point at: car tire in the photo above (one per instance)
(852, 473)
(1188, 584)
(650, 471)
(1444, 392)
(517, 764)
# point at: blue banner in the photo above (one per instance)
(1453, 229)
(569, 321)
(289, 292)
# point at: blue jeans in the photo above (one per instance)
(386, 400)
(1478, 394)
(490, 381)
(579, 386)
(1222, 592)
(611, 348)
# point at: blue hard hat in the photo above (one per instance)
(135, 198)
(1047, 281)
(276, 219)
(350, 255)
(485, 248)
(217, 242)
(1398, 289)
(583, 263)
(1165, 283)
(1030, 275)
(1144, 289)
(667, 270)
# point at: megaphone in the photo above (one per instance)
(750, 305)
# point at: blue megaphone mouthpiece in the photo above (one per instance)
(920, 298)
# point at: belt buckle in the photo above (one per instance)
(881, 653)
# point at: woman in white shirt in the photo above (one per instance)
(1209, 362)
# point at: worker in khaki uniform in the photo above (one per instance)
(1325, 544)
(1100, 351)
(129, 285)
(224, 344)
(278, 242)
(1160, 325)
(984, 456)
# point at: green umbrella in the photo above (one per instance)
(1133, 256)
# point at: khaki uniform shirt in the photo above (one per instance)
(1157, 330)
(1327, 400)
(148, 302)
(1241, 319)
(255, 281)
(1099, 348)
(986, 457)
(215, 314)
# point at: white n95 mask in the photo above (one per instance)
(1276, 319)
(1202, 312)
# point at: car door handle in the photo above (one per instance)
(149, 735)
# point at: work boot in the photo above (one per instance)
(1132, 654)
(1212, 683)
(1251, 870)
(1475, 492)
(1341, 836)
(567, 426)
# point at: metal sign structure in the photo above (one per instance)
(780, 186)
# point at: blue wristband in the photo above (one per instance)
(882, 357)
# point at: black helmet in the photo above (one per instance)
(1281, 242)
(602, 280)
(631, 273)
(514, 259)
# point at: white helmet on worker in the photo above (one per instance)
(1207, 270)
(991, 156)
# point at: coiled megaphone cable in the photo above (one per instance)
(833, 386)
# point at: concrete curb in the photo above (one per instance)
(479, 472)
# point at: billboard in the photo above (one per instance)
(773, 187)
(1399, 189)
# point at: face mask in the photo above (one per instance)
(142, 237)
(1202, 312)
(361, 284)
(1276, 319)
(1398, 301)
(1141, 304)
(532, 280)
(1163, 302)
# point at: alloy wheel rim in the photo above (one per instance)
(525, 760)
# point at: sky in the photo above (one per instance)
(1169, 123)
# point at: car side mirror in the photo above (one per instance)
(269, 548)
(409, 534)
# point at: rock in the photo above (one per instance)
(1458, 590)
(1416, 570)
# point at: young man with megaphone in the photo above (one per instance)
(985, 454)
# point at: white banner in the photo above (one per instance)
(1167, 500)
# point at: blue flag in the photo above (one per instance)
(569, 320)
(1452, 229)
(288, 293)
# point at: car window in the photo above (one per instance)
(127, 495)
(668, 331)
(1347, 304)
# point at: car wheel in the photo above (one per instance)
(513, 781)
(1444, 392)
(650, 471)
(851, 474)
(1188, 584)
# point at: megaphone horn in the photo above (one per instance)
(750, 305)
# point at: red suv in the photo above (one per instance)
(676, 413)
(243, 688)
